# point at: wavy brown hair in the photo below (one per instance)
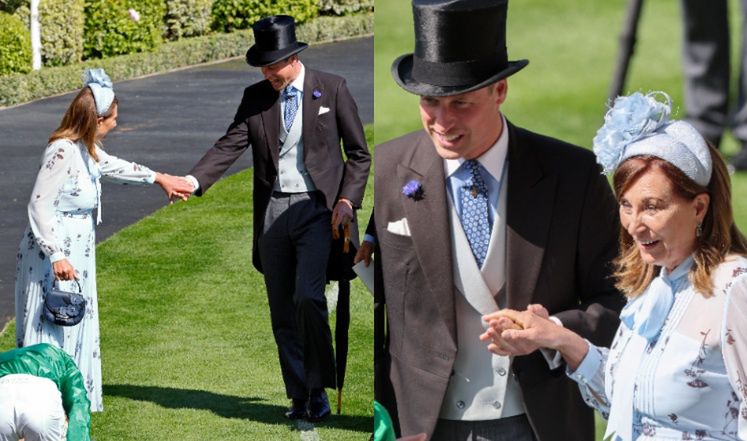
(720, 235)
(80, 121)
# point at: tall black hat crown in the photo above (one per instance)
(460, 46)
(274, 40)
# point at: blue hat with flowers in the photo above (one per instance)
(101, 86)
(639, 124)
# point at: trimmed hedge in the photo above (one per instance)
(18, 88)
(15, 45)
(229, 15)
(187, 18)
(61, 25)
(109, 29)
(345, 7)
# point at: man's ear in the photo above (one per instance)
(501, 90)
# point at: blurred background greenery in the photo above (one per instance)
(572, 47)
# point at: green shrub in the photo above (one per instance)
(345, 7)
(109, 29)
(20, 88)
(61, 26)
(229, 15)
(10, 6)
(15, 45)
(187, 18)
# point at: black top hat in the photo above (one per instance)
(460, 46)
(274, 40)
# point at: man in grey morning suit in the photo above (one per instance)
(294, 121)
(473, 214)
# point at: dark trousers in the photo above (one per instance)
(514, 428)
(294, 248)
(707, 69)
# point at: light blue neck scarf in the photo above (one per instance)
(646, 314)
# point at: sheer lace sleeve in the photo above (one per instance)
(734, 344)
(590, 378)
(45, 197)
(120, 171)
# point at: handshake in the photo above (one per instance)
(514, 333)
(175, 187)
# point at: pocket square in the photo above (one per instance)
(323, 110)
(399, 227)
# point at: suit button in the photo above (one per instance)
(501, 371)
(460, 404)
(496, 404)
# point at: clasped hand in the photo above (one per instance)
(342, 213)
(514, 333)
(175, 187)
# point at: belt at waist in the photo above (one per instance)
(283, 194)
(80, 214)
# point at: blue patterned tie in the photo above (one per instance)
(474, 216)
(290, 94)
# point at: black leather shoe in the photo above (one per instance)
(297, 410)
(318, 407)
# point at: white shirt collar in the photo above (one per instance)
(492, 160)
(298, 82)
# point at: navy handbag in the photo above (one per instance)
(64, 308)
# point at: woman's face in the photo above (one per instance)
(661, 222)
(105, 125)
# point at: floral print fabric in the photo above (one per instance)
(690, 382)
(62, 222)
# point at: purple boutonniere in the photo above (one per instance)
(316, 93)
(413, 190)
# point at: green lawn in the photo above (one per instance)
(188, 351)
(572, 46)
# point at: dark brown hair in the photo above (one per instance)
(80, 121)
(720, 235)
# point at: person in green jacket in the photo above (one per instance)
(29, 405)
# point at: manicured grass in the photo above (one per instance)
(188, 351)
(572, 47)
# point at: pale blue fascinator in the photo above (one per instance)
(101, 86)
(639, 124)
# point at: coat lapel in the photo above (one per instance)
(311, 106)
(428, 219)
(271, 125)
(531, 195)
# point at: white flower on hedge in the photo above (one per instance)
(134, 15)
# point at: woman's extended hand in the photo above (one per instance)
(175, 187)
(63, 270)
(515, 333)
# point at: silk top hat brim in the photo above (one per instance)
(460, 46)
(256, 57)
(402, 71)
(274, 40)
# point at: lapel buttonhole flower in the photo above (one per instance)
(413, 190)
(316, 93)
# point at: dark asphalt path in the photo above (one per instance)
(165, 121)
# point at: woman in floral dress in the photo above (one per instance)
(676, 369)
(65, 207)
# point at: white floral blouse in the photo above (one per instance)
(687, 384)
(74, 187)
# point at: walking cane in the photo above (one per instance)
(342, 323)
(627, 47)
